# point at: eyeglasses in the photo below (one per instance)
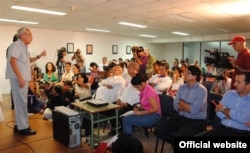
(188, 72)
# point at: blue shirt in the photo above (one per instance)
(196, 96)
(239, 110)
(19, 51)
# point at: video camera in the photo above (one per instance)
(60, 53)
(218, 59)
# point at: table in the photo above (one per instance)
(95, 116)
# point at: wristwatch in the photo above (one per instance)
(222, 109)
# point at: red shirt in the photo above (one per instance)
(243, 61)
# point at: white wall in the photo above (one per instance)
(52, 40)
(172, 51)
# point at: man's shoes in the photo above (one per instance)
(27, 131)
(15, 129)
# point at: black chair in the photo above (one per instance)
(167, 110)
(211, 115)
(166, 104)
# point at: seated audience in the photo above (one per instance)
(223, 84)
(76, 71)
(81, 65)
(191, 105)
(149, 111)
(50, 73)
(156, 67)
(128, 97)
(161, 82)
(54, 99)
(68, 74)
(35, 105)
(177, 82)
(58, 96)
(234, 110)
(68, 93)
(175, 65)
(94, 76)
(82, 87)
(104, 65)
(38, 75)
(111, 86)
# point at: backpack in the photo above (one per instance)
(127, 144)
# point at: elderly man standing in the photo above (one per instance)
(19, 72)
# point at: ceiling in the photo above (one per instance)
(211, 16)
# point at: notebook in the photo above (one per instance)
(97, 102)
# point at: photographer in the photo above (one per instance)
(61, 60)
(140, 57)
(242, 63)
(78, 56)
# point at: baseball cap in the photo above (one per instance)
(237, 38)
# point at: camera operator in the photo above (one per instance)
(140, 58)
(78, 56)
(242, 63)
(61, 60)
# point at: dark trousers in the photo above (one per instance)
(175, 126)
(225, 131)
(120, 112)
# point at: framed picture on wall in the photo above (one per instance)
(115, 49)
(89, 49)
(128, 49)
(70, 48)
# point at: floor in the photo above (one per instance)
(43, 141)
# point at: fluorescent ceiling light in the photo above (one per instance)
(18, 21)
(181, 18)
(132, 24)
(99, 30)
(36, 10)
(180, 33)
(149, 36)
(223, 30)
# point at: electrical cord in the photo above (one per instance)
(20, 141)
(74, 149)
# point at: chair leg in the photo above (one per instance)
(156, 145)
(162, 146)
(104, 126)
(146, 132)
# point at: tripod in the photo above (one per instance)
(60, 67)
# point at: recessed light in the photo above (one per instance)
(180, 33)
(149, 36)
(23, 8)
(18, 21)
(132, 24)
(98, 30)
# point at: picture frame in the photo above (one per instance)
(115, 49)
(70, 48)
(89, 49)
(128, 49)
